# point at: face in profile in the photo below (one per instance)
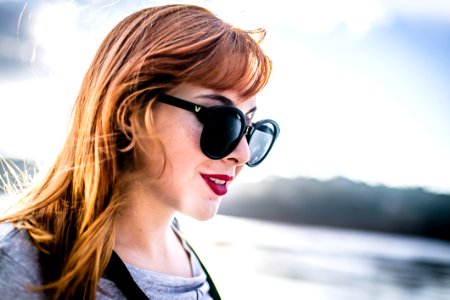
(193, 183)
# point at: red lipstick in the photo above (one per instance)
(217, 182)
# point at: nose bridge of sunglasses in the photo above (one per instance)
(249, 130)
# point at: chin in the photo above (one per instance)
(205, 215)
(202, 211)
(205, 218)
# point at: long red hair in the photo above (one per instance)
(70, 214)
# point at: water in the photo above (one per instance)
(262, 260)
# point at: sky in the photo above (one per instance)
(359, 88)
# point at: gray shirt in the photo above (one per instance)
(19, 268)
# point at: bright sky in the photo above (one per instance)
(360, 88)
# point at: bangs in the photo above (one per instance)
(234, 61)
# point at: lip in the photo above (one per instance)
(218, 189)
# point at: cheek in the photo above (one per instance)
(179, 132)
(182, 144)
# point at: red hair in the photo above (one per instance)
(70, 214)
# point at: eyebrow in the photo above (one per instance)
(220, 98)
(224, 100)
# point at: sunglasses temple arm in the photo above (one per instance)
(200, 111)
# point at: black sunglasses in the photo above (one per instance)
(225, 126)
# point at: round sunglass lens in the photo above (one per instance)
(221, 133)
(261, 142)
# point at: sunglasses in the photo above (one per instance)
(225, 126)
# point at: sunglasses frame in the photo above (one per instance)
(203, 112)
(255, 127)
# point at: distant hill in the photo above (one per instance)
(340, 202)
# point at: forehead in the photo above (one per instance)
(209, 97)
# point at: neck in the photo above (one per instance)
(142, 221)
(144, 237)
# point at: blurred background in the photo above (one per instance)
(354, 200)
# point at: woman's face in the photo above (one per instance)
(192, 183)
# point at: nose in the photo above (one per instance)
(241, 154)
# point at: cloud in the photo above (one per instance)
(16, 46)
(322, 16)
(431, 10)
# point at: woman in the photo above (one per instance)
(158, 128)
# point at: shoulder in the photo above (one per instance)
(19, 263)
(16, 246)
(107, 290)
